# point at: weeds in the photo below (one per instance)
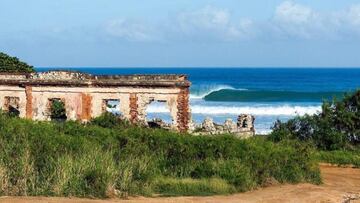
(72, 159)
(341, 158)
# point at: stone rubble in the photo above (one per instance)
(243, 128)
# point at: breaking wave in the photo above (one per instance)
(199, 92)
(269, 96)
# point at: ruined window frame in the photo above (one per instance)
(151, 101)
(7, 106)
(49, 110)
(116, 107)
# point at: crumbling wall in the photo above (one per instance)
(183, 114)
(84, 95)
(243, 128)
(168, 98)
(83, 103)
(73, 98)
(11, 91)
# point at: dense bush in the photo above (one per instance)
(72, 159)
(337, 126)
(13, 64)
(109, 120)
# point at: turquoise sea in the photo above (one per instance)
(267, 93)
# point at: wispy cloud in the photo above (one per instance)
(130, 30)
(353, 15)
(296, 20)
(350, 19)
(300, 21)
(213, 22)
(290, 20)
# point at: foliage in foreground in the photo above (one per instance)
(336, 127)
(13, 64)
(71, 159)
(340, 157)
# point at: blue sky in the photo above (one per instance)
(182, 33)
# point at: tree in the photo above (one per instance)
(13, 65)
(336, 127)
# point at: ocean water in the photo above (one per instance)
(266, 93)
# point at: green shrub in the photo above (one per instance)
(340, 157)
(237, 174)
(74, 159)
(336, 127)
(109, 120)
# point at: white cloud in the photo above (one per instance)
(290, 20)
(296, 20)
(299, 21)
(208, 18)
(129, 30)
(353, 15)
(290, 12)
(212, 22)
(349, 20)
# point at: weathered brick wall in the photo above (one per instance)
(29, 98)
(86, 107)
(183, 114)
(133, 108)
(17, 92)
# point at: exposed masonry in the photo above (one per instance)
(84, 95)
(243, 128)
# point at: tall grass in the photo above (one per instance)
(188, 186)
(340, 157)
(103, 159)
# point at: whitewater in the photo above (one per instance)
(281, 110)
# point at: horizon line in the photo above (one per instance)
(210, 67)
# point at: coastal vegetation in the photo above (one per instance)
(13, 64)
(334, 132)
(109, 157)
(339, 157)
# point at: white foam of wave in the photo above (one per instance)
(285, 110)
(262, 131)
(205, 90)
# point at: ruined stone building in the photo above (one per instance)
(86, 96)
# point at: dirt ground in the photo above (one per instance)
(340, 185)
